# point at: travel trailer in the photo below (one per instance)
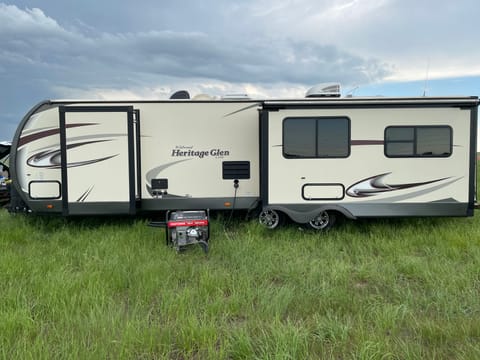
(311, 159)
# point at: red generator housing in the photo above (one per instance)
(188, 228)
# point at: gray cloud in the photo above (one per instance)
(67, 48)
(43, 58)
(36, 43)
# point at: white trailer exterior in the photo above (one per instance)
(370, 158)
(305, 158)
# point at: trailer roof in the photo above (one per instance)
(378, 100)
(471, 100)
(275, 104)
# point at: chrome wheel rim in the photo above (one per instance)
(321, 221)
(269, 218)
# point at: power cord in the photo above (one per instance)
(236, 185)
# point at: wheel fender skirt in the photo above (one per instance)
(303, 214)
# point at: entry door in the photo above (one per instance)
(98, 160)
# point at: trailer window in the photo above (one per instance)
(418, 141)
(316, 137)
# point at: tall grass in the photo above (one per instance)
(110, 288)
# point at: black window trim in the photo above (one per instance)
(415, 142)
(349, 129)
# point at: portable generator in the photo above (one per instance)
(188, 228)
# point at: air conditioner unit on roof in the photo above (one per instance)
(324, 90)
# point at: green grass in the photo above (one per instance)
(111, 289)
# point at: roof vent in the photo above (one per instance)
(180, 95)
(236, 97)
(324, 90)
(203, 97)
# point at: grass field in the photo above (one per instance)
(111, 289)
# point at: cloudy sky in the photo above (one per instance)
(275, 48)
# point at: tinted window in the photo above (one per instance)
(400, 134)
(418, 141)
(434, 141)
(399, 149)
(316, 137)
(299, 138)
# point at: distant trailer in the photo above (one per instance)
(309, 159)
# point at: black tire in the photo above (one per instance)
(270, 218)
(323, 221)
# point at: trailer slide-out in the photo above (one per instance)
(307, 159)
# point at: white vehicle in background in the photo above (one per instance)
(4, 171)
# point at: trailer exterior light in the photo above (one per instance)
(227, 204)
(49, 206)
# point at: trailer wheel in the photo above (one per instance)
(271, 219)
(323, 221)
